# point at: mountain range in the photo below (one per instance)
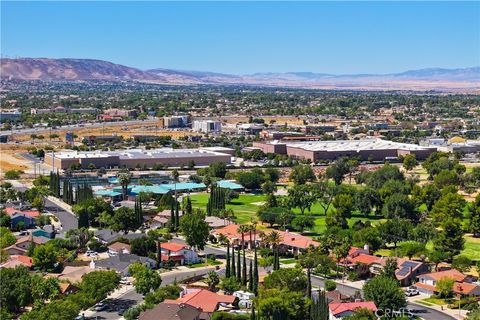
(46, 69)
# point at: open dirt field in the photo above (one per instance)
(9, 158)
(120, 129)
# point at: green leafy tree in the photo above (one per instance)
(450, 238)
(124, 219)
(301, 196)
(385, 292)
(287, 278)
(449, 205)
(16, 288)
(410, 162)
(98, 284)
(195, 229)
(444, 287)
(302, 174)
(462, 263)
(146, 279)
(412, 248)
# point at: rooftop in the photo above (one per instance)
(341, 307)
(206, 300)
(353, 145)
(139, 154)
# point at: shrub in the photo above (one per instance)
(330, 285)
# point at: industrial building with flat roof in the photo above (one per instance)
(368, 149)
(135, 158)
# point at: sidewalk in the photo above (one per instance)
(61, 204)
(451, 312)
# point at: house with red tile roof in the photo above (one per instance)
(206, 301)
(289, 241)
(30, 213)
(26, 217)
(178, 253)
(235, 237)
(17, 260)
(340, 310)
(295, 243)
(406, 272)
(463, 286)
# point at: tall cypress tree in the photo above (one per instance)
(244, 270)
(188, 206)
(233, 271)
(239, 266)
(227, 269)
(252, 314)
(83, 219)
(255, 272)
(65, 191)
(319, 307)
(70, 193)
(172, 218)
(251, 280)
(177, 217)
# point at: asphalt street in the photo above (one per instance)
(130, 298)
(67, 219)
(419, 310)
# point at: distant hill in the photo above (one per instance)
(464, 79)
(68, 69)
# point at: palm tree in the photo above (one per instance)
(212, 280)
(244, 229)
(273, 240)
(309, 260)
(79, 237)
(124, 179)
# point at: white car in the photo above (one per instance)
(91, 253)
(411, 292)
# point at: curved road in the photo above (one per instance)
(420, 310)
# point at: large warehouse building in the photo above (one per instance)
(135, 158)
(368, 149)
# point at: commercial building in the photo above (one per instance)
(117, 114)
(207, 126)
(175, 121)
(250, 128)
(134, 158)
(10, 115)
(367, 149)
(62, 109)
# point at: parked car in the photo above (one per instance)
(410, 292)
(100, 306)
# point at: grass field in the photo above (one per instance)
(472, 248)
(246, 207)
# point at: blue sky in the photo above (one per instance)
(248, 37)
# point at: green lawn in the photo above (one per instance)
(247, 205)
(437, 301)
(472, 248)
(288, 261)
